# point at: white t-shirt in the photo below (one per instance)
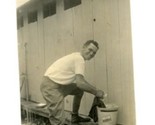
(64, 70)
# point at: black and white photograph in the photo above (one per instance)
(76, 63)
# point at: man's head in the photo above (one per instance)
(89, 49)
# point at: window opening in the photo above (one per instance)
(71, 3)
(32, 16)
(20, 22)
(49, 9)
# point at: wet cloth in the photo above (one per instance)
(93, 112)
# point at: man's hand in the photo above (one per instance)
(99, 94)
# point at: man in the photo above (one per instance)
(66, 77)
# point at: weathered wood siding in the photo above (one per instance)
(106, 21)
(22, 65)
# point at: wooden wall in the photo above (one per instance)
(106, 21)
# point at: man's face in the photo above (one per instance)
(89, 51)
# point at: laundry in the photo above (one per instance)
(97, 102)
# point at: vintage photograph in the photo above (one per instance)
(75, 62)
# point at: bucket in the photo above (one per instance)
(108, 115)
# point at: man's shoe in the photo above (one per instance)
(77, 119)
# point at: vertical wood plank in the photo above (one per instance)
(21, 59)
(40, 69)
(33, 56)
(50, 37)
(26, 39)
(32, 59)
(128, 114)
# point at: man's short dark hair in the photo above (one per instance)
(91, 41)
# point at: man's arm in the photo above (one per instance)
(85, 86)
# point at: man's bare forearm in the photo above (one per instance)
(85, 86)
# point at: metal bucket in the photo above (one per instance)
(108, 115)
